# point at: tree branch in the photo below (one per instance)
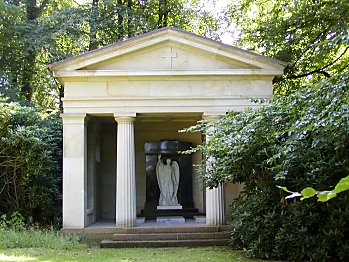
(319, 70)
(310, 46)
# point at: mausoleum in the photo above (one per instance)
(122, 108)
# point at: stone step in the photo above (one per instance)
(190, 228)
(170, 236)
(108, 243)
(189, 235)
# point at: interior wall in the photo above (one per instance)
(93, 165)
(232, 191)
(107, 174)
(150, 131)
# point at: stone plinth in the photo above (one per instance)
(176, 207)
(170, 219)
(200, 219)
(140, 220)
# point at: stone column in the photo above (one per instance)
(215, 197)
(74, 171)
(215, 206)
(125, 173)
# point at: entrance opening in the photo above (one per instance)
(101, 164)
(101, 169)
(154, 128)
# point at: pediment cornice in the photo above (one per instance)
(253, 63)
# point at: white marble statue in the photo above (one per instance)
(168, 180)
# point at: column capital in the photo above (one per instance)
(69, 118)
(125, 117)
(212, 117)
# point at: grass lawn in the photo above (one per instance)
(50, 245)
(215, 254)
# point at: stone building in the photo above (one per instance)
(127, 94)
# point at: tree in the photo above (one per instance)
(310, 35)
(36, 33)
(22, 71)
(30, 163)
(300, 140)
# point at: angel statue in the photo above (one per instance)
(168, 180)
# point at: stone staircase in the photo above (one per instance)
(172, 236)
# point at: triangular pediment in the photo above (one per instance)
(168, 49)
(169, 55)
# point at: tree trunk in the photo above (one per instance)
(93, 26)
(28, 73)
(29, 64)
(15, 2)
(32, 10)
(61, 95)
(163, 13)
(120, 21)
(129, 18)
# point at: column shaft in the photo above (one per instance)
(215, 197)
(125, 173)
(215, 206)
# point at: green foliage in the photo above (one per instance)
(15, 222)
(323, 196)
(16, 233)
(34, 34)
(297, 141)
(30, 163)
(23, 71)
(305, 133)
(308, 192)
(297, 231)
(311, 35)
(39, 238)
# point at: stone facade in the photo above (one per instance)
(146, 89)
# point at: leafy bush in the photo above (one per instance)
(30, 163)
(297, 141)
(14, 222)
(294, 231)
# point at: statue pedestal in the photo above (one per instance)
(177, 207)
(170, 219)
